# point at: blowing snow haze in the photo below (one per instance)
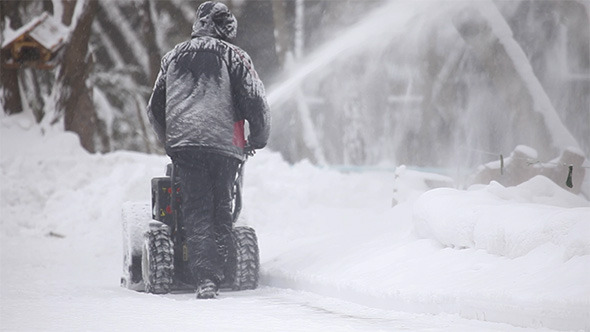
(446, 84)
(443, 84)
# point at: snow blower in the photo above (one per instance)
(155, 257)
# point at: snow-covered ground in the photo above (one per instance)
(335, 254)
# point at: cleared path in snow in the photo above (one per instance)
(58, 284)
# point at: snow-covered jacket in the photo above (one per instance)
(205, 90)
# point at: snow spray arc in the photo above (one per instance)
(404, 85)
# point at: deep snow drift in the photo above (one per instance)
(517, 255)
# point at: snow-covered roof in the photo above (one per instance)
(44, 29)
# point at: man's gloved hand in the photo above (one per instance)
(249, 150)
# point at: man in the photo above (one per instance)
(205, 90)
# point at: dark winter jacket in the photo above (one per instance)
(205, 90)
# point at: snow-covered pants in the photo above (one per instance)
(206, 184)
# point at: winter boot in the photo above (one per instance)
(207, 289)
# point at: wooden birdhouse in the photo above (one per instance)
(35, 44)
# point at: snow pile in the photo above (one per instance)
(339, 237)
(409, 184)
(504, 221)
(525, 256)
(50, 184)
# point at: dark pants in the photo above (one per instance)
(206, 182)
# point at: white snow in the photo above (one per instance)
(45, 29)
(488, 258)
(51, 33)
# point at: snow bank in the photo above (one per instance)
(50, 184)
(409, 184)
(504, 221)
(525, 257)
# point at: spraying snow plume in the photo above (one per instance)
(412, 82)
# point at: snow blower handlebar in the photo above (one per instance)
(237, 188)
(249, 151)
(174, 195)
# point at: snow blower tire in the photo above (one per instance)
(158, 261)
(246, 261)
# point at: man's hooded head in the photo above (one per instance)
(215, 20)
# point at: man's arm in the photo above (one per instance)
(250, 101)
(156, 109)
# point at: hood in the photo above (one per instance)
(215, 20)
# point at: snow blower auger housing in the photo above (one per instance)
(155, 257)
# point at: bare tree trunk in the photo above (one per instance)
(10, 100)
(299, 28)
(257, 37)
(279, 11)
(75, 96)
(149, 33)
(140, 106)
(68, 11)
